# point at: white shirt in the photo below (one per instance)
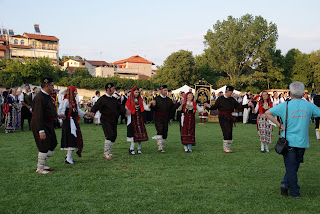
(275, 101)
(65, 104)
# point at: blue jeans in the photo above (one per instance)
(292, 162)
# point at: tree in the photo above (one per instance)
(239, 47)
(81, 72)
(177, 70)
(205, 71)
(302, 69)
(315, 64)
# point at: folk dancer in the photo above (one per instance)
(43, 116)
(118, 97)
(226, 105)
(97, 116)
(136, 130)
(71, 137)
(263, 124)
(11, 111)
(188, 110)
(109, 107)
(1, 107)
(123, 102)
(245, 101)
(26, 110)
(316, 101)
(162, 107)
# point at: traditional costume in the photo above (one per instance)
(123, 102)
(316, 101)
(71, 137)
(11, 121)
(43, 116)
(26, 110)
(109, 108)
(136, 130)
(226, 106)
(161, 117)
(245, 101)
(188, 111)
(263, 124)
(1, 108)
(97, 116)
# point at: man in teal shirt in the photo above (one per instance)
(299, 115)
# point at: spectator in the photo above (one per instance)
(299, 114)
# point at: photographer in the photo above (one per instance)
(299, 114)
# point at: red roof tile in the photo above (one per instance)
(19, 46)
(98, 63)
(2, 40)
(142, 76)
(134, 59)
(41, 37)
(3, 48)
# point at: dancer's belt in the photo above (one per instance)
(108, 116)
(47, 120)
(161, 114)
(225, 113)
(228, 113)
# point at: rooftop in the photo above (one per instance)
(41, 37)
(134, 59)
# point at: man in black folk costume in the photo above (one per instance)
(226, 105)
(109, 107)
(26, 110)
(162, 106)
(43, 116)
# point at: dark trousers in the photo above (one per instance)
(226, 124)
(292, 162)
(317, 122)
(25, 114)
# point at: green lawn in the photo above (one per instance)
(204, 181)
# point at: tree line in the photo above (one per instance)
(238, 51)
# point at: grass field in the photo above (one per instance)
(204, 181)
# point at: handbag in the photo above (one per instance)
(282, 145)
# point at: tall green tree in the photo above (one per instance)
(240, 46)
(315, 64)
(81, 72)
(177, 70)
(302, 70)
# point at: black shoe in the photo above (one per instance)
(284, 191)
(132, 152)
(67, 162)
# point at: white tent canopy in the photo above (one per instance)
(223, 89)
(184, 88)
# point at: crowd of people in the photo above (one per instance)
(43, 112)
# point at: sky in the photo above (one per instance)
(114, 30)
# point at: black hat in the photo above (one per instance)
(248, 91)
(229, 88)
(163, 86)
(109, 85)
(26, 84)
(46, 80)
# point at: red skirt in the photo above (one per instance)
(139, 129)
(188, 130)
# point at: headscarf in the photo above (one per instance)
(131, 105)
(185, 103)
(261, 101)
(71, 96)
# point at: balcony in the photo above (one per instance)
(45, 47)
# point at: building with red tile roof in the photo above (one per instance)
(32, 46)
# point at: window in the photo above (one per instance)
(22, 42)
(15, 42)
(34, 44)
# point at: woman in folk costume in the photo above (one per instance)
(263, 124)
(71, 134)
(136, 130)
(11, 111)
(188, 110)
